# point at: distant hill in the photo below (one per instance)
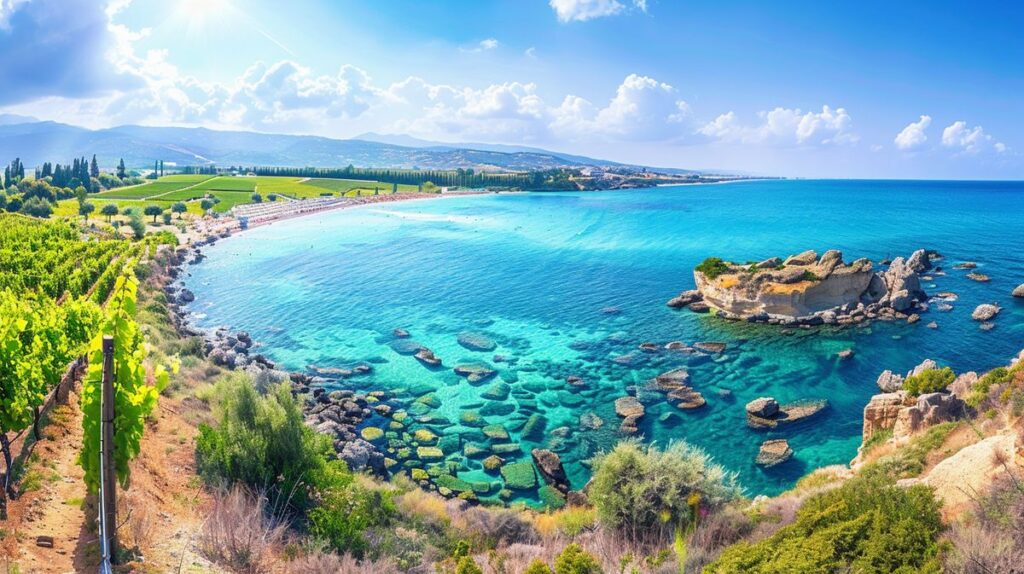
(38, 141)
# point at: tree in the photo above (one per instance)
(109, 210)
(85, 209)
(94, 167)
(121, 172)
(153, 211)
(81, 194)
(37, 207)
(179, 208)
(257, 198)
(206, 204)
(271, 197)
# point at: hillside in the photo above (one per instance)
(35, 142)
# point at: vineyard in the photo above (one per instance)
(61, 291)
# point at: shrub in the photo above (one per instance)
(345, 510)
(575, 560)
(537, 567)
(647, 493)
(712, 267)
(809, 276)
(930, 381)
(995, 377)
(867, 525)
(240, 534)
(467, 565)
(256, 198)
(261, 441)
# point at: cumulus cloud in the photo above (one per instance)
(971, 140)
(784, 126)
(583, 10)
(913, 135)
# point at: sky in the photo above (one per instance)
(862, 89)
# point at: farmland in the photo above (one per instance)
(229, 190)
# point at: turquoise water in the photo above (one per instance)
(535, 272)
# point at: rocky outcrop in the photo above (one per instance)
(809, 290)
(773, 453)
(985, 311)
(881, 412)
(928, 410)
(763, 407)
(1018, 291)
(551, 470)
(889, 382)
(782, 413)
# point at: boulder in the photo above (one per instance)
(400, 333)
(919, 261)
(889, 382)
(551, 470)
(773, 453)
(763, 407)
(1019, 291)
(475, 373)
(845, 354)
(684, 299)
(628, 407)
(985, 311)
(709, 346)
(427, 357)
(806, 258)
(591, 421)
(979, 277)
(881, 412)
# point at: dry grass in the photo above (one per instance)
(325, 563)
(422, 506)
(239, 535)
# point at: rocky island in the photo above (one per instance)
(805, 289)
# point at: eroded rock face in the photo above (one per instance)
(930, 409)
(807, 289)
(881, 412)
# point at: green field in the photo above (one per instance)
(231, 191)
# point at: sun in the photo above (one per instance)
(197, 13)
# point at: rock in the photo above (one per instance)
(979, 277)
(533, 430)
(492, 463)
(926, 365)
(919, 261)
(788, 413)
(687, 398)
(770, 263)
(962, 385)
(476, 341)
(685, 298)
(881, 412)
(400, 333)
(424, 436)
(774, 453)
(611, 311)
(360, 455)
(806, 258)
(519, 476)
(371, 434)
(591, 421)
(710, 346)
(1018, 291)
(475, 373)
(676, 346)
(763, 407)
(987, 326)
(649, 347)
(985, 312)
(966, 265)
(913, 318)
(699, 307)
(429, 453)
(498, 391)
(551, 470)
(930, 409)
(889, 382)
(427, 357)
(575, 381)
(672, 380)
(630, 424)
(845, 354)
(186, 296)
(405, 347)
(496, 432)
(629, 407)
(932, 325)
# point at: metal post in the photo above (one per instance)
(108, 475)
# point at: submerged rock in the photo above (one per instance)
(685, 298)
(774, 453)
(628, 407)
(427, 357)
(979, 277)
(787, 413)
(476, 341)
(475, 373)
(551, 470)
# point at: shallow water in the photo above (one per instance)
(534, 272)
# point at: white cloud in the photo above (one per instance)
(482, 45)
(971, 140)
(531, 53)
(583, 10)
(913, 135)
(785, 126)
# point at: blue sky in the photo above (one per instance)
(865, 89)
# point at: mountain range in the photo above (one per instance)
(38, 141)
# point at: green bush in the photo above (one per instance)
(867, 525)
(647, 493)
(345, 510)
(467, 565)
(575, 560)
(712, 267)
(537, 567)
(809, 276)
(930, 381)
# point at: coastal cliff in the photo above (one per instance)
(807, 289)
